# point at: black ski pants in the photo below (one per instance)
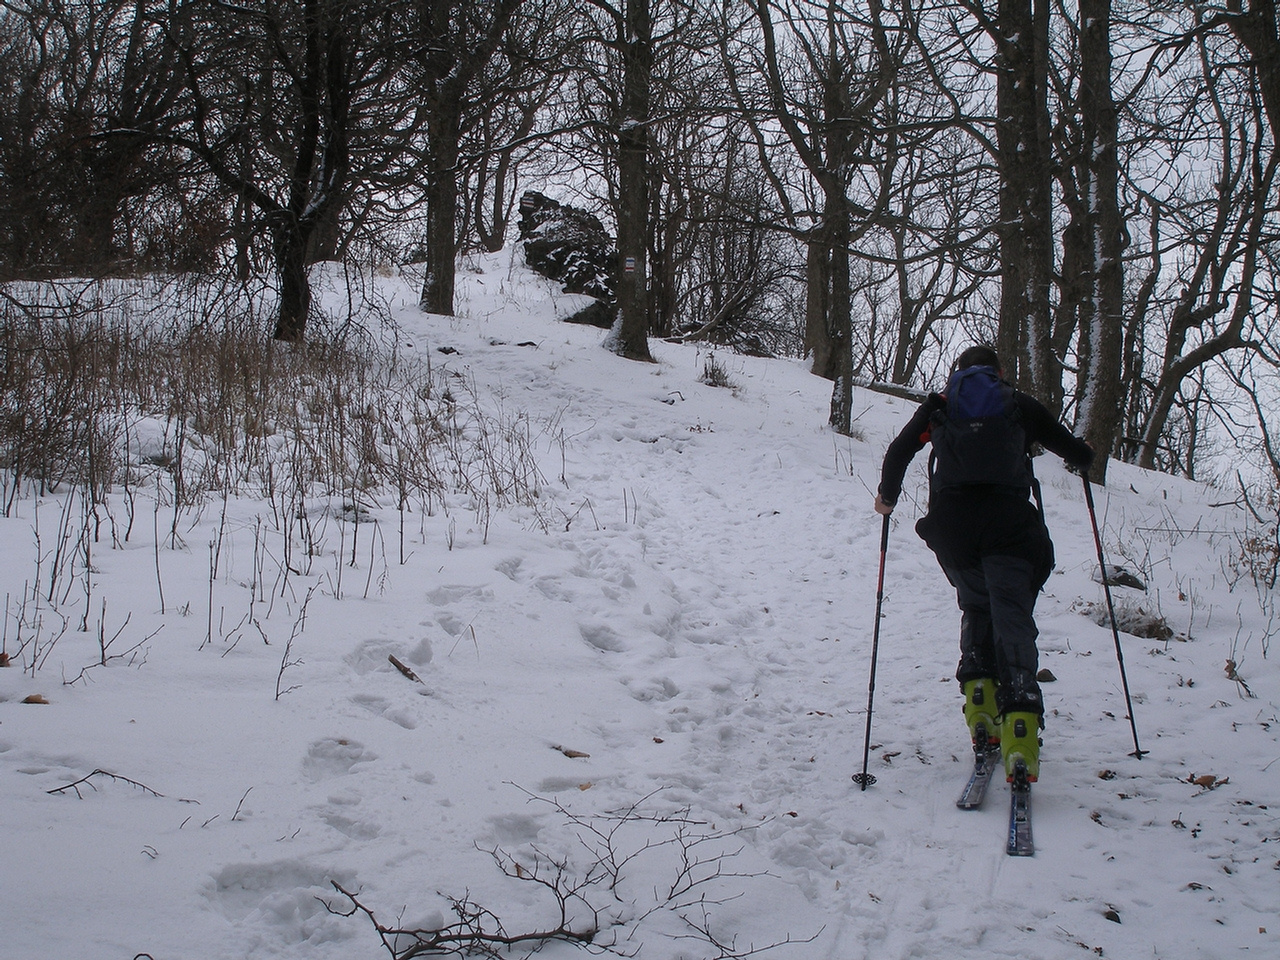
(998, 631)
(994, 548)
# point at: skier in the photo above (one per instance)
(989, 538)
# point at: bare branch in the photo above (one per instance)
(86, 781)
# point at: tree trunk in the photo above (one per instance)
(326, 241)
(441, 194)
(631, 335)
(1258, 31)
(289, 244)
(1026, 222)
(438, 285)
(491, 226)
(817, 335)
(840, 313)
(1100, 388)
(837, 112)
(454, 49)
(663, 272)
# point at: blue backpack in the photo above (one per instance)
(977, 434)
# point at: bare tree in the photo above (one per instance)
(732, 271)
(1254, 23)
(454, 42)
(826, 77)
(77, 180)
(523, 94)
(275, 95)
(1091, 300)
(1208, 254)
(929, 266)
(1019, 30)
(626, 31)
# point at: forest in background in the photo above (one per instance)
(1090, 186)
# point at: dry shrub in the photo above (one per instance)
(116, 382)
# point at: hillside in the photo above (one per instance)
(640, 691)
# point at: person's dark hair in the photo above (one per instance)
(978, 356)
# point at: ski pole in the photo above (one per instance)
(865, 779)
(1111, 610)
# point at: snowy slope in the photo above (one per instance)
(656, 676)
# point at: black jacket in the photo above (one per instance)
(966, 522)
(1037, 423)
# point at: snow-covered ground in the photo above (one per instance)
(646, 692)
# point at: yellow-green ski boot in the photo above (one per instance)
(1020, 742)
(980, 712)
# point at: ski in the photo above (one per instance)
(984, 765)
(1020, 843)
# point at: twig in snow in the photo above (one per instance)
(409, 674)
(85, 782)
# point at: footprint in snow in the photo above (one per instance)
(382, 707)
(334, 757)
